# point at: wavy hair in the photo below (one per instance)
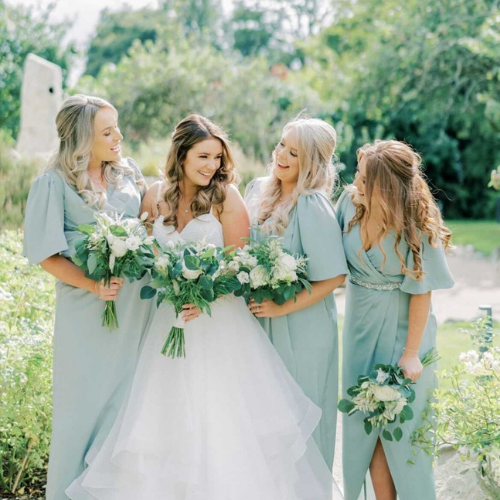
(406, 202)
(75, 128)
(190, 131)
(316, 142)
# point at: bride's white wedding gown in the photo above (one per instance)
(227, 422)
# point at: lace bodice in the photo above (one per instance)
(203, 227)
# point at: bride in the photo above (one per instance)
(228, 422)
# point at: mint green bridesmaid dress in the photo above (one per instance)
(375, 331)
(307, 340)
(92, 366)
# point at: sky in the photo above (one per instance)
(84, 14)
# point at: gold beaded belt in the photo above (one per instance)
(372, 286)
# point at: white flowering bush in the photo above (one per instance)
(189, 273)
(467, 416)
(27, 301)
(114, 246)
(495, 179)
(267, 271)
(385, 395)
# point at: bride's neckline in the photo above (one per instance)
(197, 219)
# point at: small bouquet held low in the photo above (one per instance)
(188, 273)
(385, 396)
(114, 246)
(267, 271)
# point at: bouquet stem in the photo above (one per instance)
(109, 317)
(175, 343)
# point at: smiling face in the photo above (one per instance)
(107, 136)
(202, 161)
(286, 164)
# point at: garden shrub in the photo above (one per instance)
(26, 323)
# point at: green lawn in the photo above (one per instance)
(484, 235)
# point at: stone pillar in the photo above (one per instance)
(41, 98)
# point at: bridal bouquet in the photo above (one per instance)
(266, 270)
(188, 273)
(114, 246)
(385, 395)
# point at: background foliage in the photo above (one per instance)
(422, 71)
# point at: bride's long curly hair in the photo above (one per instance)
(407, 205)
(187, 133)
(75, 128)
(316, 141)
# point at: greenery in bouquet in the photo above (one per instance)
(467, 415)
(114, 246)
(189, 273)
(266, 270)
(385, 395)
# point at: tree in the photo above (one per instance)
(24, 30)
(424, 72)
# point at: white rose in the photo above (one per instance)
(381, 376)
(283, 273)
(386, 393)
(118, 247)
(133, 243)
(130, 224)
(243, 277)
(233, 266)
(144, 216)
(258, 277)
(288, 262)
(399, 406)
(190, 274)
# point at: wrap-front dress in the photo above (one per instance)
(375, 331)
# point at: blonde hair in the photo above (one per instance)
(406, 202)
(316, 141)
(187, 133)
(75, 128)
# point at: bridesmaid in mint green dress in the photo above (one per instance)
(294, 203)
(92, 366)
(388, 312)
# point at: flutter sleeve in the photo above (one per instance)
(44, 220)
(344, 209)
(436, 272)
(321, 237)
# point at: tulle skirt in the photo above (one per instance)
(227, 422)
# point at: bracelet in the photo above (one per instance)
(411, 350)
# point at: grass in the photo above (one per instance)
(483, 235)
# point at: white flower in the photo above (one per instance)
(381, 376)
(386, 393)
(133, 243)
(283, 273)
(245, 259)
(118, 247)
(233, 266)
(144, 216)
(190, 274)
(112, 259)
(243, 277)
(130, 224)
(472, 356)
(287, 261)
(162, 261)
(401, 403)
(258, 277)
(149, 240)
